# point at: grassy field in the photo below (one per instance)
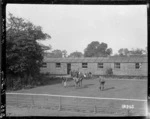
(128, 89)
(15, 111)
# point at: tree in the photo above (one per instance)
(56, 54)
(64, 53)
(76, 54)
(23, 54)
(123, 51)
(116, 54)
(145, 51)
(96, 49)
(45, 48)
(137, 51)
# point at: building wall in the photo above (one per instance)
(90, 68)
(75, 66)
(122, 71)
(102, 71)
(129, 69)
(125, 69)
(137, 72)
(51, 68)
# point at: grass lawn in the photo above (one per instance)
(128, 89)
(136, 89)
(15, 111)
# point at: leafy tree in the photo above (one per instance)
(96, 49)
(123, 51)
(116, 54)
(45, 48)
(137, 51)
(76, 54)
(64, 53)
(109, 72)
(145, 51)
(56, 54)
(23, 54)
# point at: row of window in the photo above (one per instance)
(116, 65)
(99, 65)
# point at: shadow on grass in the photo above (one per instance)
(45, 81)
(48, 80)
(87, 85)
(108, 88)
(83, 86)
(53, 80)
(70, 85)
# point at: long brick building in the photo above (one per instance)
(120, 65)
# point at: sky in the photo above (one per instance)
(73, 27)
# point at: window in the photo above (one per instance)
(137, 65)
(58, 65)
(117, 65)
(100, 65)
(44, 64)
(84, 65)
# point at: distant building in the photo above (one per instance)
(121, 65)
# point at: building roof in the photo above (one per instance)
(110, 59)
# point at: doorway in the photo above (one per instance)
(68, 68)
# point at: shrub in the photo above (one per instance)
(17, 83)
(109, 72)
(47, 73)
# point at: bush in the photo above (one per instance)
(109, 72)
(9, 83)
(47, 73)
(17, 83)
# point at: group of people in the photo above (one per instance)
(78, 76)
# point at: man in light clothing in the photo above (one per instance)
(64, 81)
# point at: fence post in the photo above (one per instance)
(59, 104)
(17, 101)
(129, 113)
(95, 109)
(32, 100)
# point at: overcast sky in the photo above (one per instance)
(73, 27)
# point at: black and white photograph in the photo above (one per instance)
(76, 60)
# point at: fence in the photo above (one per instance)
(113, 106)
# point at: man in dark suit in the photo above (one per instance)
(102, 82)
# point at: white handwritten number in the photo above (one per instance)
(128, 106)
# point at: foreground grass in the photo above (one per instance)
(129, 89)
(17, 111)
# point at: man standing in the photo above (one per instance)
(64, 81)
(102, 82)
